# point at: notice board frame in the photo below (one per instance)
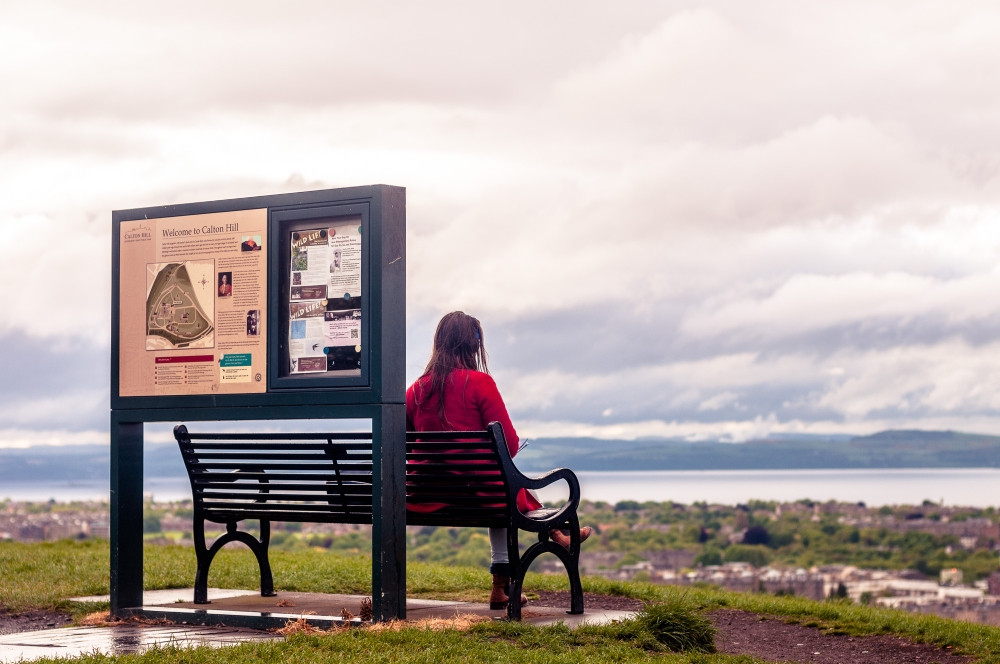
(377, 393)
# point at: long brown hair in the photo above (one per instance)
(458, 344)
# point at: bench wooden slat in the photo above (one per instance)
(251, 453)
(297, 496)
(449, 496)
(332, 507)
(364, 474)
(246, 467)
(317, 448)
(271, 491)
(221, 516)
(475, 509)
(257, 438)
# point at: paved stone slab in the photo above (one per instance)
(294, 605)
(326, 610)
(170, 595)
(232, 608)
(118, 640)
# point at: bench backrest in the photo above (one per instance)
(452, 478)
(279, 477)
(457, 478)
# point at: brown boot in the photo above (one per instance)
(500, 592)
(561, 537)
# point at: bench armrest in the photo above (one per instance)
(547, 517)
(517, 480)
(522, 481)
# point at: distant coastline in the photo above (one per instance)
(968, 487)
(889, 449)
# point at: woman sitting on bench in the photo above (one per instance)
(456, 393)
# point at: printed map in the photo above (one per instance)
(176, 316)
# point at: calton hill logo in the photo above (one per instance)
(140, 233)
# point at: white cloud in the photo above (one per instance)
(944, 382)
(947, 379)
(757, 216)
(809, 303)
(719, 401)
(30, 437)
(738, 431)
(61, 408)
(56, 278)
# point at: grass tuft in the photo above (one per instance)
(461, 622)
(678, 627)
(298, 626)
(96, 619)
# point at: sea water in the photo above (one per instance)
(974, 487)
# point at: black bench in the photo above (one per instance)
(465, 478)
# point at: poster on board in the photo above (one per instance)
(193, 304)
(324, 310)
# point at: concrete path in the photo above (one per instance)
(118, 640)
(320, 610)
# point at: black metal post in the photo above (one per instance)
(126, 515)
(389, 513)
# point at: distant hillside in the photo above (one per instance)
(888, 449)
(80, 463)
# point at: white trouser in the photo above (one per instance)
(498, 545)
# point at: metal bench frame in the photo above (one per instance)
(464, 479)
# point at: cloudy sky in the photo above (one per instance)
(701, 219)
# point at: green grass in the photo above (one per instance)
(486, 643)
(44, 575)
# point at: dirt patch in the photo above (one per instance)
(12, 623)
(591, 601)
(770, 638)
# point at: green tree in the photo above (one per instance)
(756, 554)
(709, 556)
(756, 535)
(151, 523)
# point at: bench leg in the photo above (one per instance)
(517, 571)
(204, 561)
(569, 559)
(575, 587)
(259, 548)
(264, 562)
(205, 556)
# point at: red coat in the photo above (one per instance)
(471, 402)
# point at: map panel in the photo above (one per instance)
(180, 305)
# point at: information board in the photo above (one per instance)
(271, 301)
(193, 304)
(324, 300)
